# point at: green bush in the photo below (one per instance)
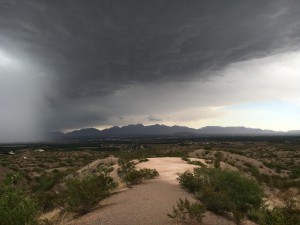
(217, 202)
(295, 172)
(223, 191)
(187, 213)
(276, 165)
(218, 159)
(46, 200)
(254, 171)
(131, 175)
(149, 173)
(125, 166)
(143, 160)
(45, 183)
(198, 163)
(276, 216)
(103, 168)
(137, 176)
(80, 195)
(185, 159)
(16, 207)
(190, 181)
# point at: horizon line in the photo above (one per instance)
(148, 125)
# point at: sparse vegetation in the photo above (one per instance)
(16, 206)
(134, 176)
(218, 159)
(194, 162)
(272, 161)
(80, 195)
(289, 214)
(223, 191)
(187, 213)
(45, 183)
(131, 175)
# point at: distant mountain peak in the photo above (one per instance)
(164, 130)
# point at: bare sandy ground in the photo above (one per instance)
(168, 167)
(148, 203)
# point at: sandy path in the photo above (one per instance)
(168, 167)
(148, 203)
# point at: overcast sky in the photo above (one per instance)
(73, 64)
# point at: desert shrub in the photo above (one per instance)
(80, 195)
(4, 164)
(187, 213)
(185, 159)
(13, 167)
(143, 160)
(16, 207)
(231, 162)
(46, 200)
(223, 191)
(63, 164)
(206, 152)
(217, 202)
(131, 176)
(42, 165)
(295, 172)
(208, 161)
(45, 183)
(137, 176)
(149, 173)
(282, 183)
(37, 169)
(287, 215)
(190, 181)
(193, 162)
(11, 179)
(254, 171)
(235, 151)
(125, 166)
(275, 165)
(218, 159)
(106, 169)
(198, 163)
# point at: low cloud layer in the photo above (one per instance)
(102, 63)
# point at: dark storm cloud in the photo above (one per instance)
(91, 49)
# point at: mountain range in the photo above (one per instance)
(163, 130)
